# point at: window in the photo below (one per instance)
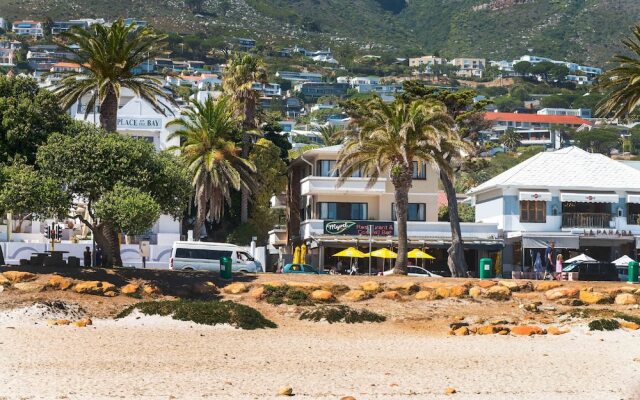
(326, 168)
(419, 170)
(202, 254)
(415, 212)
(533, 211)
(349, 211)
(633, 213)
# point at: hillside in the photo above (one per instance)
(582, 30)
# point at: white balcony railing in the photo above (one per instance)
(329, 185)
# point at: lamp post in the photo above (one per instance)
(370, 229)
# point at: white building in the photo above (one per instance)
(28, 28)
(296, 76)
(469, 67)
(585, 203)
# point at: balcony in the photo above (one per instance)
(587, 220)
(329, 185)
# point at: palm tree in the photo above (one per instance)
(208, 134)
(329, 134)
(108, 57)
(390, 137)
(511, 139)
(623, 82)
(240, 73)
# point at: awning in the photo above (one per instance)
(534, 196)
(633, 198)
(561, 242)
(589, 197)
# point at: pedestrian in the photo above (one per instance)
(99, 257)
(559, 266)
(549, 259)
(537, 266)
(339, 266)
(87, 257)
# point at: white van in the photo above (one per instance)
(205, 256)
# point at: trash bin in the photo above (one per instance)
(633, 272)
(225, 268)
(485, 268)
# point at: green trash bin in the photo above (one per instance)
(485, 268)
(633, 272)
(225, 268)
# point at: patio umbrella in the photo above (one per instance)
(296, 255)
(581, 258)
(417, 253)
(384, 254)
(351, 252)
(623, 261)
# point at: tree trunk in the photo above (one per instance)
(109, 111)
(201, 213)
(248, 124)
(402, 184)
(457, 263)
(293, 205)
(107, 239)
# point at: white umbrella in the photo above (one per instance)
(623, 261)
(581, 258)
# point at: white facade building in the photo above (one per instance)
(28, 28)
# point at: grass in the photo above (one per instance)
(627, 317)
(284, 294)
(346, 314)
(604, 325)
(204, 312)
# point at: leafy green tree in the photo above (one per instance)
(28, 115)
(598, 140)
(556, 101)
(467, 213)
(90, 164)
(128, 209)
(330, 135)
(634, 135)
(29, 195)
(390, 138)
(208, 133)
(523, 68)
(623, 82)
(109, 57)
(240, 73)
(507, 103)
(272, 131)
(511, 139)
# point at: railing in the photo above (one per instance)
(586, 220)
(632, 219)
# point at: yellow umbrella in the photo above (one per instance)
(383, 253)
(351, 252)
(296, 256)
(303, 254)
(417, 253)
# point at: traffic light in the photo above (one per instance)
(58, 232)
(47, 232)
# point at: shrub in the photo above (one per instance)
(604, 325)
(204, 312)
(346, 314)
(286, 295)
(627, 317)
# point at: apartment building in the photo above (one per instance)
(584, 202)
(424, 61)
(28, 28)
(296, 76)
(333, 217)
(315, 90)
(469, 67)
(576, 112)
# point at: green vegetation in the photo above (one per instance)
(284, 294)
(204, 312)
(627, 317)
(604, 325)
(341, 313)
(467, 213)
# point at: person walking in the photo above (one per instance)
(87, 257)
(549, 259)
(537, 266)
(559, 266)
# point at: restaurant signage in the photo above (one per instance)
(139, 123)
(358, 228)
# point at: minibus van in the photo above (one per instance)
(205, 256)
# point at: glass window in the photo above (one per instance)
(348, 211)
(326, 168)
(415, 212)
(633, 213)
(202, 254)
(533, 211)
(419, 170)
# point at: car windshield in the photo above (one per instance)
(309, 268)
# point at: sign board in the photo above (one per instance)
(145, 249)
(359, 228)
(139, 123)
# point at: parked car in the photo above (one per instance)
(417, 272)
(300, 269)
(593, 271)
(205, 256)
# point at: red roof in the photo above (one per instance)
(66, 65)
(535, 118)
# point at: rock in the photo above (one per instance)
(629, 325)
(370, 286)
(19, 276)
(273, 284)
(304, 285)
(554, 330)
(487, 330)
(571, 302)
(452, 291)
(235, 288)
(151, 290)
(626, 298)
(130, 288)
(425, 295)
(83, 322)
(322, 295)
(594, 297)
(391, 295)
(1, 288)
(257, 293)
(485, 284)
(405, 288)
(58, 282)
(462, 331)
(285, 391)
(433, 285)
(29, 286)
(528, 296)
(476, 292)
(110, 293)
(503, 332)
(4, 281)
(449, 391)
(516, 286)
(94, 287)
(499, 292)
(355, 295)
(627, 289)
(527, 330)
(206, 288)
(532, 307)
(347, 398)
(561, 293)
(547, 285)
(59, 322)
(457, 325)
